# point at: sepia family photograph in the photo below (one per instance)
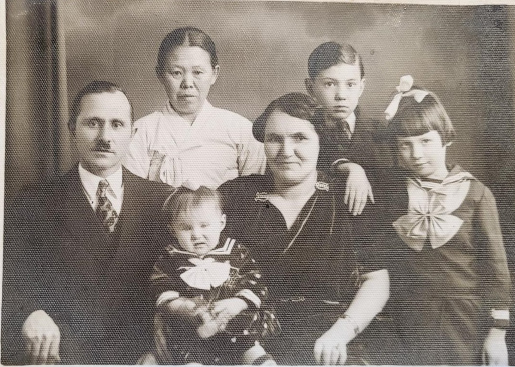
(258, 183)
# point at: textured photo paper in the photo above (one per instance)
(464, 53)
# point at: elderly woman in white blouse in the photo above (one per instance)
(189, 139)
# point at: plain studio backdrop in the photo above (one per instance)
(463, 53)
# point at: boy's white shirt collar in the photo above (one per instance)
(114, 192)
(351, 120)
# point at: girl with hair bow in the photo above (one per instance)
(448, 266)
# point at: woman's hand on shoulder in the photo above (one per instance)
(495, 352)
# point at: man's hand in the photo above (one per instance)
(42, 338)
(357, 189)
(495, 352)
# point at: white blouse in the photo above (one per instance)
(218, 146)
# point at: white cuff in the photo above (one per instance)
(338, 161)
(500, 314)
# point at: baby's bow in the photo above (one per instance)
(404, 90)
(206, 273)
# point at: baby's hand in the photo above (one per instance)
(209, 326)
(227, 309)
(219, 316)
(181, 307)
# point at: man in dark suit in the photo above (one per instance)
(79, 249)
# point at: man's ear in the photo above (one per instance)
(223, 221)
(308, 82)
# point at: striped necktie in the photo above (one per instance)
(346, 129)
(105, 211)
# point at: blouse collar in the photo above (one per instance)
(456, 174)
(204, 111)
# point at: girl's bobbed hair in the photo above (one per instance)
(417, 118)
(184, 199)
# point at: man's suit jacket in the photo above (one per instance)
(58, 257)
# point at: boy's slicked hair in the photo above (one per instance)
(186, 36)
(183, 200)
(333, 53)
(297, 105)
(95, 87)
(414, 118)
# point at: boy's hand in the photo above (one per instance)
(357, 189)
(495, 352)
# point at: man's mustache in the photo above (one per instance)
(102, 145)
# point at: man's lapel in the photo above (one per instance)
(130, 221)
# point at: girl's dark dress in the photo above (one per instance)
(313, 269)
(447, 266)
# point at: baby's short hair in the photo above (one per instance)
(413, 118)
(183, 199)
(332, 53)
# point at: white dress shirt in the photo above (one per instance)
(218, 146)
(114, 192)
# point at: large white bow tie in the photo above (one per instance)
(206, 274)
(429, 215)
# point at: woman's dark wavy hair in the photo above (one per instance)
(297, 105)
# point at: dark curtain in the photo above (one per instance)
(36, 97)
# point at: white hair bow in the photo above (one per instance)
(404, 89)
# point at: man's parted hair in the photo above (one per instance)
(95, 87)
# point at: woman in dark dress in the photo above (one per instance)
(320, 263)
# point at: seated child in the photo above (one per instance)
(450, 279)
(336, 81)
(209, 292)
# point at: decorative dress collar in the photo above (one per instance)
(429, 217)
